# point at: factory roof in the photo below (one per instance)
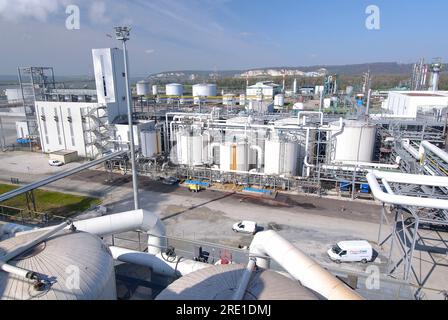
(265, 84)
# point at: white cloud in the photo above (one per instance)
(97, 13)
(14, 10)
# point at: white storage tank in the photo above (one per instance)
(279, 100)
(150, 142)
(59, 258)
(234, 156)
(356, 142)
(143, 88)
(204, 90)
(174, 89)
(281, 157)
(299, 106)
(327, 103)
(155, 90)
(192, 148)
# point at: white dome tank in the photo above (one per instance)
(204, 90)
(59, 259)
(220, 283)
(143, 88)
(355, 143)
(174, 89)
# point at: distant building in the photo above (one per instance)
(409, 104)
(266, 90)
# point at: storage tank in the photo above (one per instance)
(155, 90)
(143, 88)
(192, 148)
(280, 157)
(204, 90)
(234, 156)
(279, 100)
(174, 89)
(59, 259)
(356, 142)
(151, 143)
(222, 281)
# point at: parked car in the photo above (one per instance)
(351, 251)
(55, 163)
(170, 181)
(245, 227)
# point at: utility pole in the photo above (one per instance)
(122, 34)
(3, 135)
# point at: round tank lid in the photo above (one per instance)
(221, 282)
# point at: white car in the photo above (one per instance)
(55, 163)
(351, 251)
(245, 227)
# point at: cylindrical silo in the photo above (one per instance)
(191, 148)
(77, 266)
(279, 100)
(155, 90)
(356, 142)
(234, 156)
(280, 157)
(204, 90)
(174, 89)
(143, 88)
(150, 142)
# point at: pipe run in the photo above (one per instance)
(391, 198)
(159, 263)
(244, 282)
(269, 244)
(426, 145)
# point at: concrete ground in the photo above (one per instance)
(312, 224)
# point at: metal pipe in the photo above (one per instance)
(158, 263)
(320, 113)
(23, 273)
(268, 244)
(384, 197)
(426, 145)
(34, 242)
(259, 155)
(247, 274)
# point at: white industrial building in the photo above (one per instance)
(408, 104)
(80, 121)
(263, 91)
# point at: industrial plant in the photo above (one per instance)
(347, 145)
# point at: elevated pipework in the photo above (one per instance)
(269, 244)
(387, 197)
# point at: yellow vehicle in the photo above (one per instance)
(194, 188)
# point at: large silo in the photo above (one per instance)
(204, 90)
(174, 89)
(151, 143)
(281, 157)
(356, 142)
(143, 88)
(234, 156)
(191, 148)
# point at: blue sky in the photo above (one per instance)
(221, 34)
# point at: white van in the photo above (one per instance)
(245, 227)
(351, 251)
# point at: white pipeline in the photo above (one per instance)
(299, 265)
(159, 264)
(391, 198)
(244, 282)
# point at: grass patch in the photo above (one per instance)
(53, 203)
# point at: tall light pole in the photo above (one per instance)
(122, 34)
